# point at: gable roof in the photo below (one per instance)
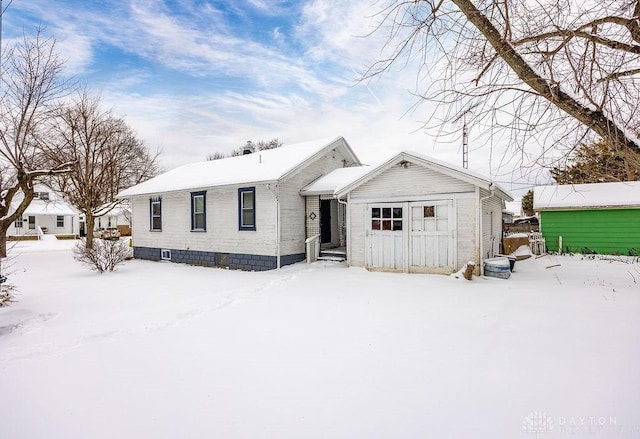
(588, 195)
(260, 167)
(54, 205)
(340, 182)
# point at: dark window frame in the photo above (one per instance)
(60, 221)
(242, 208)
(153, 201)
(195, 195)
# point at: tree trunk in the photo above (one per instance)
(3, 241)
(594, 120)
(89, 223)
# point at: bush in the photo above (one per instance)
(6, 294)
(105, 255)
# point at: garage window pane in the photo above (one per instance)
(375, 212)
(429, 212)
(397, 225)
(442, 211)
(386, 225)
(397, 212)
(375, 225)
(386, 212)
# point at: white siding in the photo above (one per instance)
(410, 183)
(356, 241)
(414, 184)
(48, 222)
(466, 215)
(491, 224)
(293, 206)
(222, 234)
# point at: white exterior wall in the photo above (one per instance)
(293, 205)
(491, 224)
(49, 222)
(410, 183)
(414, 184)
(108, 220)
(466, 240)
(357, 218)
(222, 234)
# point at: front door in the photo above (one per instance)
(385, 243)
(325, 221)
(32, 222)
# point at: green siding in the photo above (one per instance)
(605, 231)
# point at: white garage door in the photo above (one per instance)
(432, 235)
(415, 236)
(385, 242)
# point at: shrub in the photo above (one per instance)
(105, 255)
(6, 294)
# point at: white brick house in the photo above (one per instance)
(409, 214)
(242, 212)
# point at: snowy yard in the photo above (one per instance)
(161, 350)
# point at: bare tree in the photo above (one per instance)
(524, 65)
(108, 156)
(31, 86)
(248, 146)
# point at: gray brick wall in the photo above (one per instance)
(235, 261)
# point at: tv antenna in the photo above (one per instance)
(465, 133)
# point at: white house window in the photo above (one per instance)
(156, 214)
(198, 211)
(59, 221)
(386, 218)
(19, 223)
(247, 208)
(165, 254)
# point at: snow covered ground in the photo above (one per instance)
(161, 350)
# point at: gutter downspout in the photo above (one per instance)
(481, 230)
(347, 235)
(276, 195)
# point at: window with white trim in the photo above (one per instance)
(59, 221)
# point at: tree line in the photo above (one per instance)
(53, 131)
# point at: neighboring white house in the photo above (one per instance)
(116, 214)
(411, 213)
(48, 213)
(240, 212)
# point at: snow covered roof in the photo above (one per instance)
(341, 181)
(331, 183)
(263, 166)
(589, 195)
(113, 208)
(54, 205)
(48, 207)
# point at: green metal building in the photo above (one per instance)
(590, 218)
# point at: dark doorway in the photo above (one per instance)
(325, 221)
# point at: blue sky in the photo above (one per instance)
(197, 76)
